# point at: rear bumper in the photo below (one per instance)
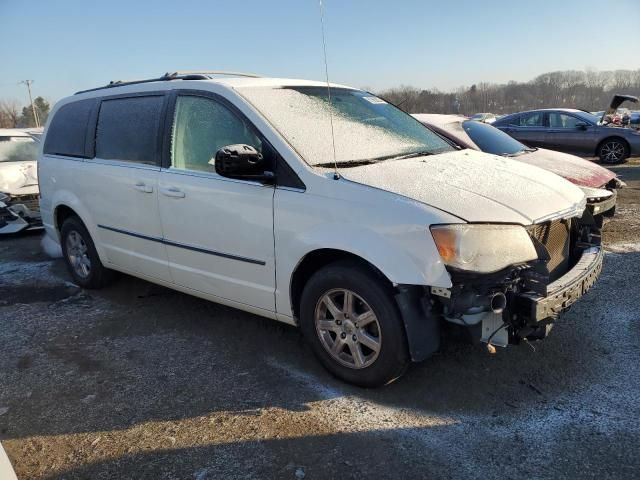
(563, 292)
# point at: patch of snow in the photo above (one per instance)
(51, 247)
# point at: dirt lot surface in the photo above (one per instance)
(137, 381)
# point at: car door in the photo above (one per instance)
(218, 231)
(528, 127)
(565, 133)
(119, 185)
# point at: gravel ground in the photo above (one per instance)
(137, 381)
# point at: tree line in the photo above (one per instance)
(12, 116)
(587, 90)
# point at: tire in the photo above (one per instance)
(613, 150)
(81, 257)
(383, 330)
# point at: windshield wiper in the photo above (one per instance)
(370, 161)
(515, 154)
(347, 164)
(423, 153)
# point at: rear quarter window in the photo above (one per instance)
(128, 129)
(66, 134)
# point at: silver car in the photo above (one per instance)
(574, 131)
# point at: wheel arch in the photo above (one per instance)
(317, 259)
(66, 205)
(61, 213)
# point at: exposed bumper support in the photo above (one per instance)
(563, 292)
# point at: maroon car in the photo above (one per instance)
(466, 133)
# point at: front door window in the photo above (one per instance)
(203, 126)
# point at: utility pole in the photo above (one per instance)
(33, 107)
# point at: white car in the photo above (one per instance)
(346, 217)
(19, 209)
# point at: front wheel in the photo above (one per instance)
(349, 317)
(613, 150)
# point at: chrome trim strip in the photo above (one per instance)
(183, 245)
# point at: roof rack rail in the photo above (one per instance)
(211, 72)
(178, 75)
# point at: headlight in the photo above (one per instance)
(595, 194)
(483, 248)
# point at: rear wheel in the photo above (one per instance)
(81, 257)
(613, 150)
(350, 319)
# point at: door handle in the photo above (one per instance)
(172, 192)
(141, 187)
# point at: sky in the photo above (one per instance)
(69, 45)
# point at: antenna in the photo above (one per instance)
(336, 175)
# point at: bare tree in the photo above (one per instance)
(589, 90)
(9, 114)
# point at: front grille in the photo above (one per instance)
(29, 201)
(555, 238)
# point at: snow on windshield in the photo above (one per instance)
(365, 127)
(14, 151)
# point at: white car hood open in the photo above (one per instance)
(475, 186)
(19, 178)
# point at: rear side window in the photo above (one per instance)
(533, 119)
(66, 134)
(128, 129)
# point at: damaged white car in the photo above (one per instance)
(19, 204)
(340, 214)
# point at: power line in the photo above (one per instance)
(33, 107)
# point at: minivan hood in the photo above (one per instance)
(475, 186)
(575, 169)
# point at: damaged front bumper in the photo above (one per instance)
(18, 214)
(601, 202)
(564, 292)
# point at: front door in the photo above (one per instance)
(218, 231)
(564, 133)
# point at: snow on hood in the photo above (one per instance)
(475, 186)
(575, 169)
(19, 178)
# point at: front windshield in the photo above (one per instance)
(491, 140)
(16, 151)
(366, 128)
(589, 117)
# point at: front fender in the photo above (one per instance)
(401, 248)
(401, 265)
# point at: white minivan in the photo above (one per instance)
(323, 207)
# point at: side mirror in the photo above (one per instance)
(242, 162)
(582, 126)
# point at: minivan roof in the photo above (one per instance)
(232, 82)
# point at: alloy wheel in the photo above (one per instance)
(77, 254)
(612, 152)
(348, 328)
